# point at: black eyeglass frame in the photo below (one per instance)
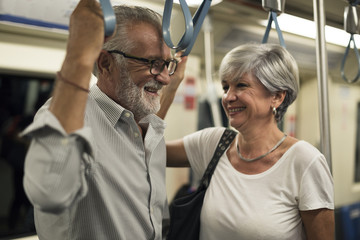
(150, 61)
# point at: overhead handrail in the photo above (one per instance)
(198, 21)
(273, 17)
(356, 78)
(274, 7)
(211, 94)
(351, 26)
(189, 28)
(192, 25)
(109, 17)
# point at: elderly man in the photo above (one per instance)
(96, 165)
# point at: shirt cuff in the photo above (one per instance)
(46, 120)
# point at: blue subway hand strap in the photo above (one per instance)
(344, 60)
(192, 25)
(109, 17)
(198, 21)
(189, 29)
(273, 17)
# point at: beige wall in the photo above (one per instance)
(30, 50)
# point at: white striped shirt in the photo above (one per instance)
(101, 182)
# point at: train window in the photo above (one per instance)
(357, 154)
(20, 97)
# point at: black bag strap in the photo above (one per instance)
(225, 140)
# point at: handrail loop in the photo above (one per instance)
(351, 24)
(273, 17)
(109, 17)
(189, 29)
(344, 60)
(198, 21)
(192, 25)
(274, 7)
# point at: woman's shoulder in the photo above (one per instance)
(210, 132)
(303, 146)
(200, 147)
(304, 153)
(208, 137)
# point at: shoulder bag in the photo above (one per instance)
(185, 211)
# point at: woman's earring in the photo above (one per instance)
(274, 111)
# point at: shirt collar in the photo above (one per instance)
(155, 121)
(112, 110)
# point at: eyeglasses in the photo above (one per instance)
(156, 65)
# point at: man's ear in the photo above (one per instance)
(278, 98)
(104, 63)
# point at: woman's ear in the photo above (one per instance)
(104, 63)
(278, 98)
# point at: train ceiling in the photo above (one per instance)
(237, 21)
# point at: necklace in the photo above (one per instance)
(257, 158)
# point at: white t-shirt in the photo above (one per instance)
(259, 206)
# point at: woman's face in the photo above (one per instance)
(247, 102)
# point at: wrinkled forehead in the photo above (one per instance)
(144, 31)
(146, 40)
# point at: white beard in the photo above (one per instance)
(135, 99)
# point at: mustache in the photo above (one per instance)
(154, 84)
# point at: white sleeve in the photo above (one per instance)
(317, 187)
(54, 165)
(200, 147)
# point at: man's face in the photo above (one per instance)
(137, 89)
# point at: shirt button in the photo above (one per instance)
(64, 141)
(127, 114)
(136, 134)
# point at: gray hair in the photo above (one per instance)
(271, 64)
(127, 16)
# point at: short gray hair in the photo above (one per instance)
(271, 64)
(125, 17)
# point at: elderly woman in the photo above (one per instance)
(267, 185)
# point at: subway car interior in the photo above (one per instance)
(322, 35)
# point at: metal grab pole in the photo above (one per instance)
(322, 74)
(209, 66)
